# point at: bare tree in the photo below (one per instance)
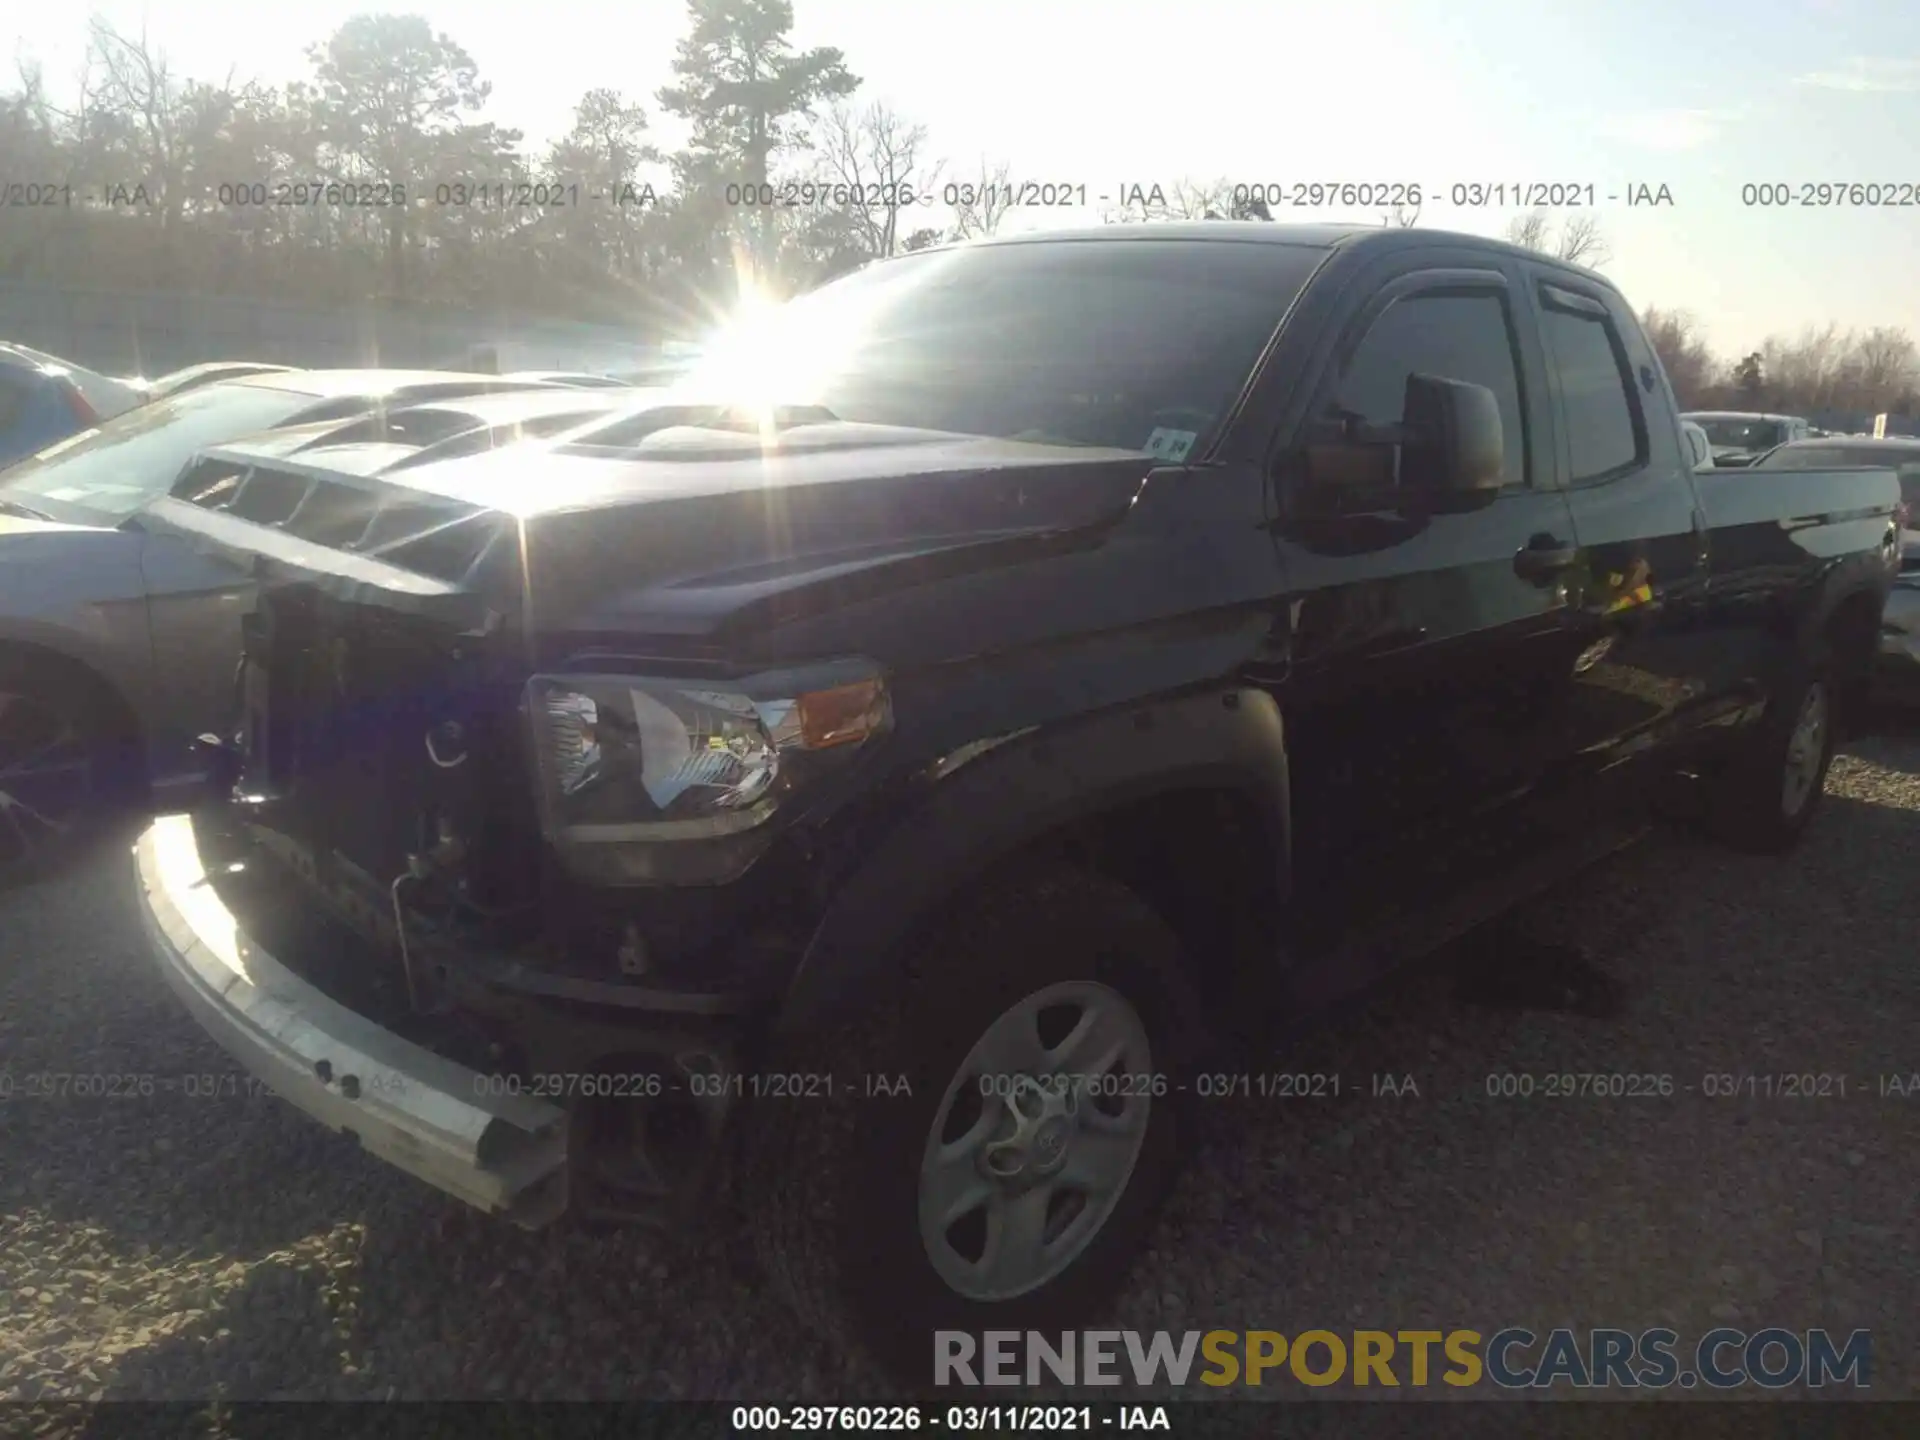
(1583, 243)
(167, 123)
(1532, 231)
(1401, 217)
(1827, 368)
(1885, 368)
(1807, 372)
(1691, 366)
(877, 156)
(1579, 241)
(982, 203)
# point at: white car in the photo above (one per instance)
(1740, 437)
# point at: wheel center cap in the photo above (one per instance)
(1050, 1146)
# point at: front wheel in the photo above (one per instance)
(1773, 783)
(1012, 1178)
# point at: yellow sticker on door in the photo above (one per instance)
(1626, 591)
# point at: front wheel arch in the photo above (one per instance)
(1067, 792)
(40, 662)
(109, 733)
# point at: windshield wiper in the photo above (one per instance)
(14, 507)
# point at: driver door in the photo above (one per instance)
(1431, 657)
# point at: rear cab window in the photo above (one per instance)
(1601, 409)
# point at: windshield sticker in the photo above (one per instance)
(1170, 444)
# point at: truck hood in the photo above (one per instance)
(699, 530)
(11, 525)
(687, 532)
(684, 461)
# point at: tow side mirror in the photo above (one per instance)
(1455, 451)
(1447, 455)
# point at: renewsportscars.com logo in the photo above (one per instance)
(1510, 1359)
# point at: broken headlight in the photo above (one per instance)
(632, 761)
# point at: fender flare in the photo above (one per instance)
(1228, 739)
(1855, 579)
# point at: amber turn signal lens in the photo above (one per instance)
(843, 715)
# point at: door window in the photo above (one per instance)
(1456, 335)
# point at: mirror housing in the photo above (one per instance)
(1456, 449)
(1446, 456)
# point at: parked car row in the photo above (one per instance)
(1738, 437)
(44, 399)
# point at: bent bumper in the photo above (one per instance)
(418, 1111)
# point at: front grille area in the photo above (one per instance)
(343, 698)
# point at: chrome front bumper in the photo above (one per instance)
(424, 1114)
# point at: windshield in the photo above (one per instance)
(102, 475)
(1743, 434)
(1134, 345)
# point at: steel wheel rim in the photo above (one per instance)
(46, 777)
(1806, 748)
(1056, 1134)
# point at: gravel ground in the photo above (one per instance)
(171, 1247)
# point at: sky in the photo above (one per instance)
(1702, 97)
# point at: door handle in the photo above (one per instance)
(1545, 558)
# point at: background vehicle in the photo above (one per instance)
(43, 399)
(1739, 437)
(1122, 643)
(194, 376)
(1699, 447)
(118, 640)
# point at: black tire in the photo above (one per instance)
(36, 700)
(1749, 808)
(832, 1189)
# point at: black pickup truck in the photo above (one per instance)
(871, 779)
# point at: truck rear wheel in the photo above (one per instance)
(1772, 784)
(1011, 1178)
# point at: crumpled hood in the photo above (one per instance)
(697, 529)
(678, 461)
(684, 531)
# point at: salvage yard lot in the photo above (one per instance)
(191, 1246)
